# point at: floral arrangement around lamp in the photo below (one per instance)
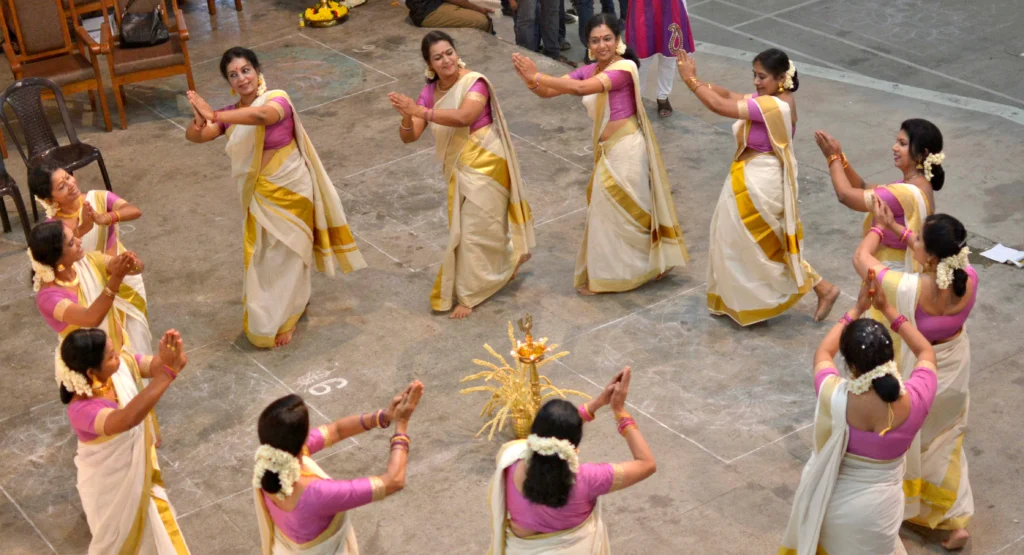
(326, 14)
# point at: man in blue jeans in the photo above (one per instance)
(538, 22)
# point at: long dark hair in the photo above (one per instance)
(233, 54)
(548, 478)
(46, 242)
(429, 40)
(284, 424)
(615, 26)
(81, 350)
(776, 62)
(944, 236)
(866, 344)
(925, 138)
(40, 180)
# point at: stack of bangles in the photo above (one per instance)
(109, 293)
(585, 413)
(846, 320)
(905, 236)
(693, 84)
(625, 422)
(377, 417)
(400, 442)
(536, 81)
(899, 321)
(170, 372)
(877, 231)
(841, 157)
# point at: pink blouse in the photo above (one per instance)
(758, 138)
(921, 387)
(426, 100)
(939, 328)
(277, 135)
(621, 99)
(592, 481)
(319, 502)
(46, 301)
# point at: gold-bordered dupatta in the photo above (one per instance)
(332, 238)
(778, 120)
(668, 248)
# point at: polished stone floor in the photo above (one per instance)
(726, 410)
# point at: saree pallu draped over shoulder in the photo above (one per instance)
(490, 225)
(293, 220)
(121, 486)
(338, 539)
(756, 269)
(936, 485)
(589, 538)
(844, 504)
(632, 234)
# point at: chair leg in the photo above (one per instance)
(3, 146)
(5, 221)
(212, 6)
(92, 100)
(119, 98)
(103, 170)
(19, 205)
(238, 5)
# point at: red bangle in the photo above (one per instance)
(899, 321)
(362, 422)
(170, 372)
(877, 230)
(846, 320)
(585, 413)
(905, 236)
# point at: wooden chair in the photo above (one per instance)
(133, 65)
(40, 29)
(80, 7)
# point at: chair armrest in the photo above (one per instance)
(179, 22)
(87, 39)
(9, 52)
(106, 38)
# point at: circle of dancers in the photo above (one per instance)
(888, 428)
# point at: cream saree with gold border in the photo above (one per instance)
(844, 504)
(915, 210)
(632, 234)
(756, 269)
(293, 220)
(96, 239)
(338, 539)
(589, 538)
(936, 485)
(120, 483)
(490, 225)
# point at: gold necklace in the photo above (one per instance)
(72, 283)
(99, 389)
(441, 90)
(76, 215)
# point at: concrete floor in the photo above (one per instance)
(726, 410)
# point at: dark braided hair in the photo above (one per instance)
(944, 236)
(283, 425)
(548, 478)
(866, 344)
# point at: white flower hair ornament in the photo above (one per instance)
(790, 74)
(261, 86)
(944, 271)
(862, 383)
(50, 207)
(72, 381)
(932, 160)
(41, 272)
(620, 48)
(564, 449)
(283, 463)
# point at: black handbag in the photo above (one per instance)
(139, 30)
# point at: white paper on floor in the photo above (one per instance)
(1004, 254)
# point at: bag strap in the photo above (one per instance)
(127, 6)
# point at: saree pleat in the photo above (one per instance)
(632, 234)
(489, 219)
(756, 269)
(938, 491)
(293, 220)
(589, 538)
(121, 488)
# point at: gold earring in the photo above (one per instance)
(60, 267)
(782, 88)
(590, 55)
(233, 93)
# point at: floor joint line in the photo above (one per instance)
(29, 520)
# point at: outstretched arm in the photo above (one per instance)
(717, 99)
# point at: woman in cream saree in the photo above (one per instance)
(119, 479)
(293, 215)
(490, 226)
(632, 234)
(756, 266)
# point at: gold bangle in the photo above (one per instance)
(108, 292)
(831, 158)
(621, 415)
(846, 162)
(404, 128)
(692, 84)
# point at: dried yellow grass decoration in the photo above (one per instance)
(512, 390)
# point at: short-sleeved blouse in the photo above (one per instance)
(592, 481)
(277, 135)
(479, 88)
(621, 93)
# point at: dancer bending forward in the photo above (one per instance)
(632, 235)
(490, 228)
(756, 268)
(293, 216)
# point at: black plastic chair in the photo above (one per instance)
(8, 188)
(25, 97)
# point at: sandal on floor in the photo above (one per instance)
(664, 108)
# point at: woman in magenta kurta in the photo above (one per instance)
(657, 30)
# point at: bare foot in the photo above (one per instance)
(585, 291)
(460, 312)
(957, 539)
(825, 303)
(522, 260)
(283, 339)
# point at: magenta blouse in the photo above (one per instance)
(319, 502)
(426, 100)
(921, 387)
(758, 138)
(46, 301)
(277, 135)
(592, 481)
(939, 328)
(621, 99)
(82, 413)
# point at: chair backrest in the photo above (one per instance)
(40, 28)
(25, 97)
